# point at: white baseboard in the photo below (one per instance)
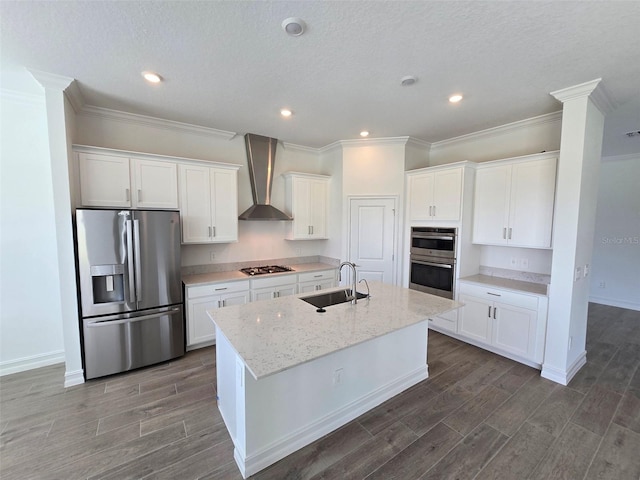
(73, 378)
(561, 376)
(313, 431)
(612, 302)
(29, 363)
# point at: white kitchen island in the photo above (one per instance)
(288, 375)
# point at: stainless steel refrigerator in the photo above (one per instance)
(130, 290)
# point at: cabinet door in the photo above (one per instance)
(195, 203)
(235, 298)
(156, 184)
(531, 205)
(224, 195)
(104, 180)
(286, 290)
(318, 192)
(200, 327)
(447, 194)
(421, 196)
(307, 287)
(301, 202)
(491, 205)
(475, 321)
(266, 293)
(328, 283)
(514, 329)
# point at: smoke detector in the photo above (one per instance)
(294, 26)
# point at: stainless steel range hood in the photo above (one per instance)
(261, 155)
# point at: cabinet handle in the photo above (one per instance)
(221, 288)
(434, 210)
(139, 195)
(317, 276)
(214, 231)
(504, 233)
(223, 303)
(430, 208)
(509, 233)
(494, 294)
(219, 304)
(494, 312)
(209, 231)
(127, 195)
(311, 229)
(489, 314)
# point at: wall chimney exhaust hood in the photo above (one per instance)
(261, 155)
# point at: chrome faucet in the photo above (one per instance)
(353, 296)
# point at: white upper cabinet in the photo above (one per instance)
(307, 201)
(208, 204)
(435, 195)
(121, 181)
(514, 201)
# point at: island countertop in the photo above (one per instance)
(274, 335)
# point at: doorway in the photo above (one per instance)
(372, 237)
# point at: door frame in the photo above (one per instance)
(396, 228)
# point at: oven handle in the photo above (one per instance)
(433, 237)
(430, 264)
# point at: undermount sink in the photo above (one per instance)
(322, 300)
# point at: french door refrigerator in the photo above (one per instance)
(130, 290)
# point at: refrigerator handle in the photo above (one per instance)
(136, 259)
(132, 290)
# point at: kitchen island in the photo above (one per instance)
(288, 375)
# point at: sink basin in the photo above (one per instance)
(322, 300)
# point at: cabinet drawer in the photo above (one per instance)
(216, 288)
(275, 281)
(315, 276)
(447, 321)
(493, 294)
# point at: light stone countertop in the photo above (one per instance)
(509, 284)
(233, 275)
(274, 335)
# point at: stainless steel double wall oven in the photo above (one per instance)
(433, 260)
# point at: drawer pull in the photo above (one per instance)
(489, 314)
(494, 294)
(494, 312)
(221, 288)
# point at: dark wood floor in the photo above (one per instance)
(478, 416)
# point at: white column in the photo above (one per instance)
(583, 113)
(60, 151)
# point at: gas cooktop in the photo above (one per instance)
(265, 270)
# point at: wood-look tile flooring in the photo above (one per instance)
(478, 416)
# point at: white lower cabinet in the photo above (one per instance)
(273, 287)
(200, 328)
(510, 323)
(447, 321)
(314, 281)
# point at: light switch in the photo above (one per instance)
(578, 274)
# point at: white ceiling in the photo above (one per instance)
(229, 65)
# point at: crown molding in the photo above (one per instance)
(75, 97)
(136, 119)
(301, 148)
(51, 80)
(554, 117)
(22, 98)
(365, 142)
(603, 101)
(622, 158)
(576, 91)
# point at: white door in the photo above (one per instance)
(372, 238)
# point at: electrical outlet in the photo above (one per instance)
(524, 262)
(602, 285)
(513, 262)
(299, 251)
(337, 377)
(578, 274)
(212, 256)
(586, 270)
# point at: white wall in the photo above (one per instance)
(533, 135)
(257, 240)
(30, 309)
(616, 249)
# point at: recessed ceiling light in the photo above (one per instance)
(364, 133)
(408, 80)
(285, 112)
(455, 98)
(294, 26)
(152, 77)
